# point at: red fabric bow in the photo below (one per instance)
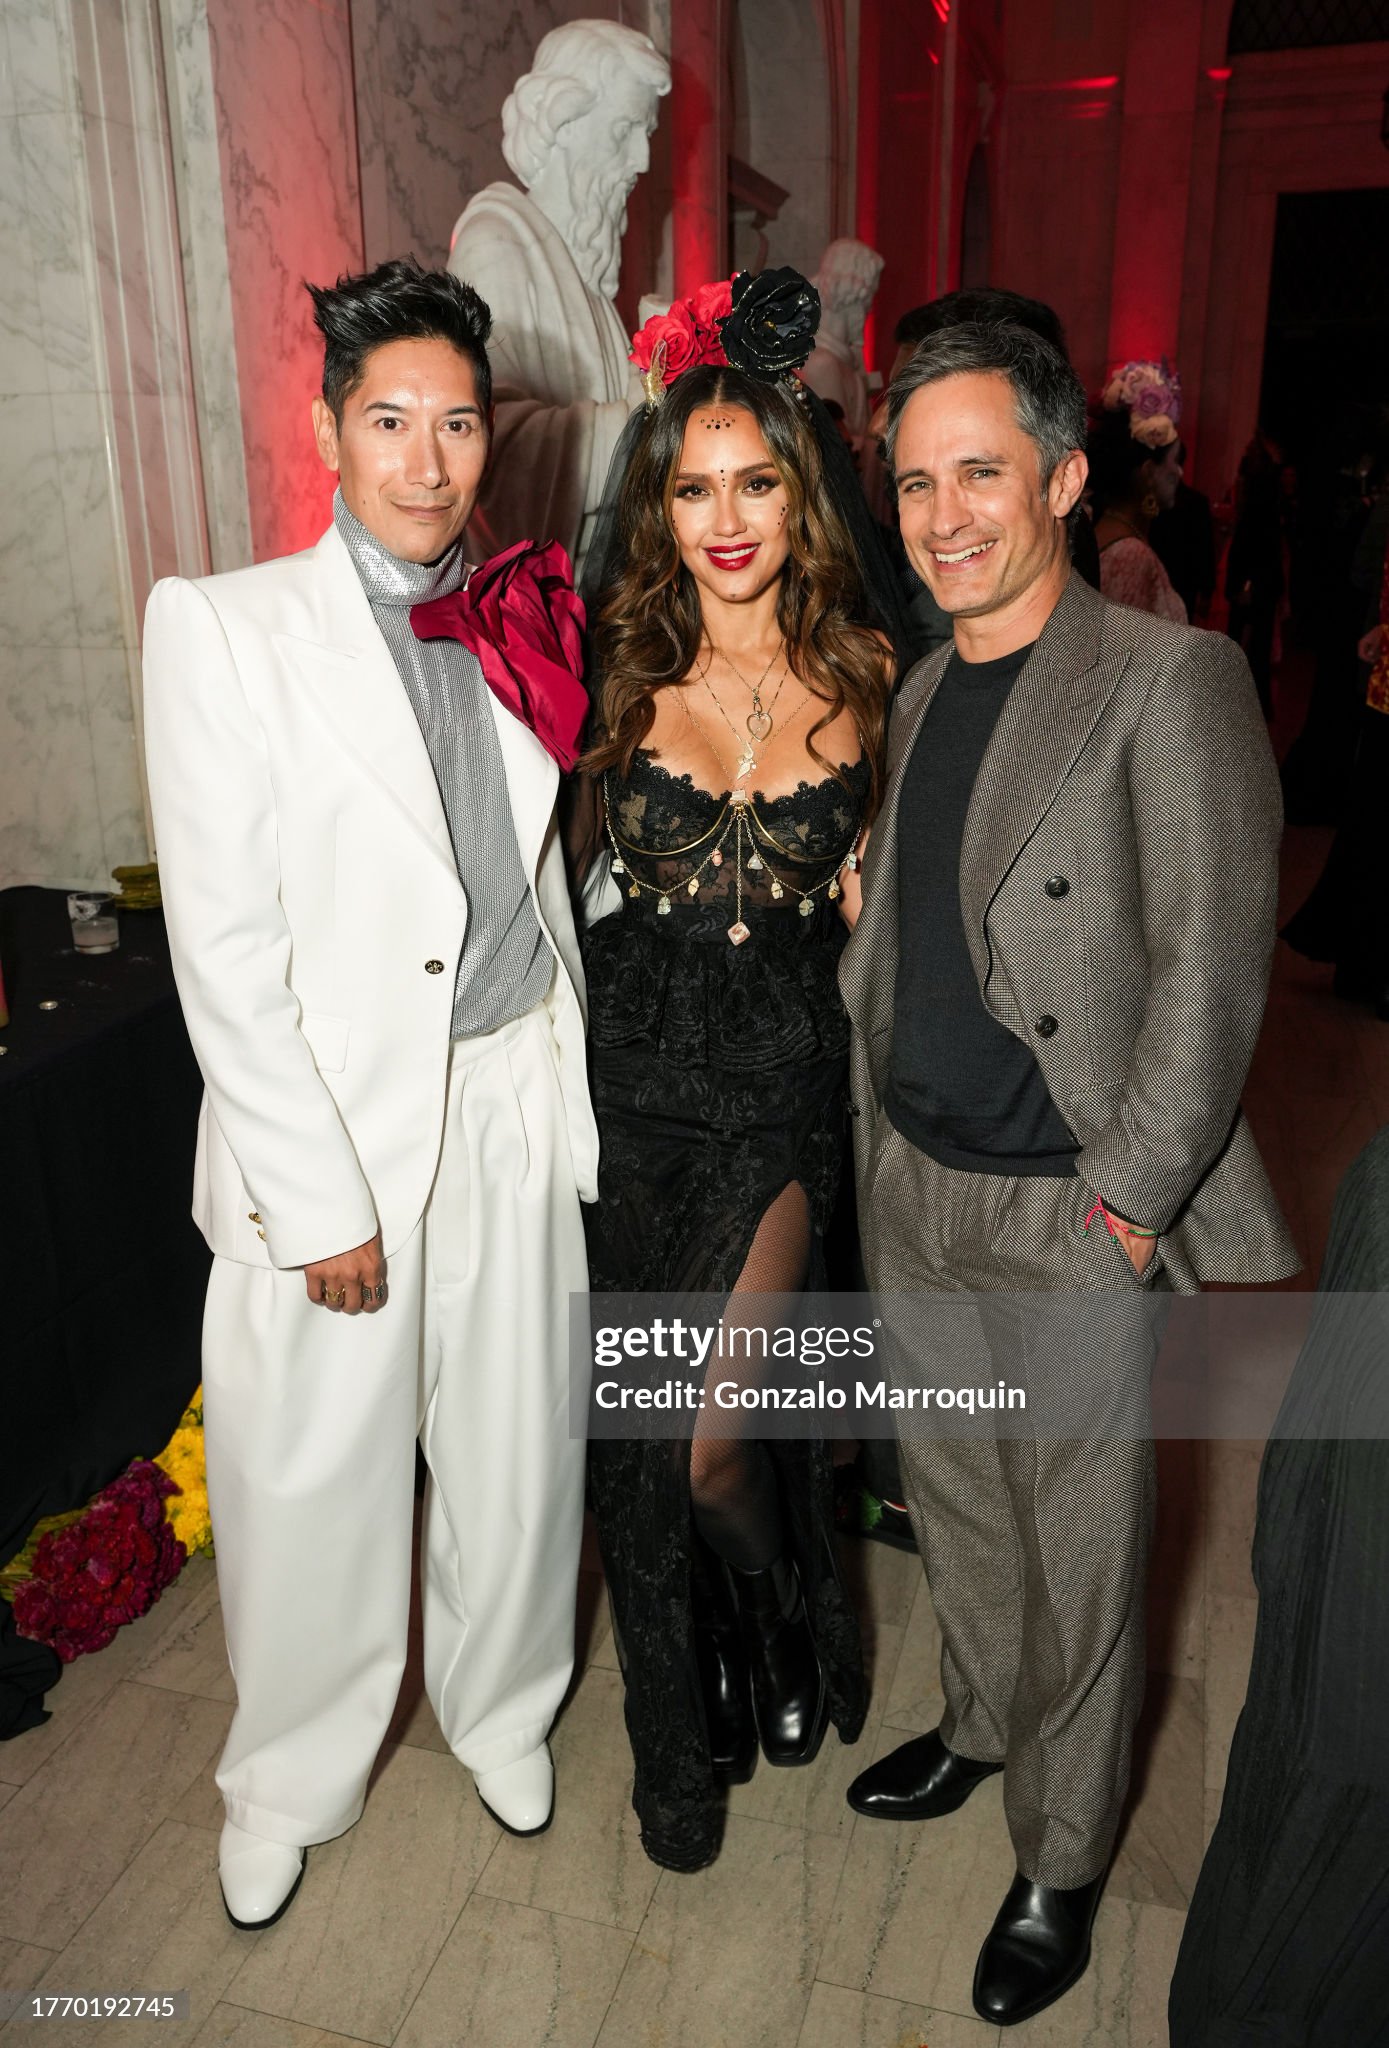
(522, 617)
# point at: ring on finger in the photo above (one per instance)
(335, 1296)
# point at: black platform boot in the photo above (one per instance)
(723, 1674)
(789, 1700)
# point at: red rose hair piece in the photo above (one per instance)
(685, 338)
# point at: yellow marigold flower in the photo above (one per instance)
(184, 1461)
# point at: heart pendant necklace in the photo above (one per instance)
(759, 719)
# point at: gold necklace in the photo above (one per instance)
(747, 759)
(758, 721)
(757, 717)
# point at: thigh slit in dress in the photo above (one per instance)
(720, 1076)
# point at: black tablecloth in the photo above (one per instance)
(103, 1271)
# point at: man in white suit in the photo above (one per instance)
(373, 943)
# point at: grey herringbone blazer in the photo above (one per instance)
(1130, 763)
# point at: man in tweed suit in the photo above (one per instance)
(1056, 983)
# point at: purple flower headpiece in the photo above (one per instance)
(1151, 395)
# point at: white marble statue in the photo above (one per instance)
(846, 281)
(576, 131)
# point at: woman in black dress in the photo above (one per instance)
(740, 702)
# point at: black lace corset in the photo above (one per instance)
(726, 948)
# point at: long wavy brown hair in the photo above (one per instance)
(650, 627)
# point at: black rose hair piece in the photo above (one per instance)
(772, 327)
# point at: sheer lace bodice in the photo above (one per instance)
(742, 974)
(675, 843)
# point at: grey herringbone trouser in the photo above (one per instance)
(1035, 1547)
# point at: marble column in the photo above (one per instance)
(897, 199)
(71, 803)
(783, 124)
(202, 217)
(118, 47)
(282, 87)
(1161, 77)
(700, 124)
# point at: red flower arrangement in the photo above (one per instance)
(689, 335)
(104, 1569)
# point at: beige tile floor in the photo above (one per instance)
(428, 1928)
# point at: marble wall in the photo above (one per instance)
(431, 78)
(196, 157)
(1294, 121)
(70, 791)
(1138, 263)
(171, 171)
(313, 137)
(782, 127)
(282, 82)
(118, 49)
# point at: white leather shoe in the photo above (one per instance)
(521, 1795)
(259, 1878)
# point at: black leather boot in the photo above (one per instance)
(789, 1701)
(1036, 1949)
(919, 1780)
(723, 1674)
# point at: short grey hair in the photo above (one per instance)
(570, 75)
(1048, 397)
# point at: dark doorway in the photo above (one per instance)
(1326, 363)
(1324, 404)
(1325, 395)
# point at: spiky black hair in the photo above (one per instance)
(397, 301)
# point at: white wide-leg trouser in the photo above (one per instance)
(311, 1420)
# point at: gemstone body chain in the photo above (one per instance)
(751, 839)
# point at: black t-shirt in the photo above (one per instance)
(961, 1087)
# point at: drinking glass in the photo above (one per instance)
(93, 918)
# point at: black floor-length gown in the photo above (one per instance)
(1287, 1941)
(719, 1074)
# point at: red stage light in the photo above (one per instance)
(1070, 85)
(1220, 72)
(942, 8)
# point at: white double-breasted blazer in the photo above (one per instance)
(314, 908)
